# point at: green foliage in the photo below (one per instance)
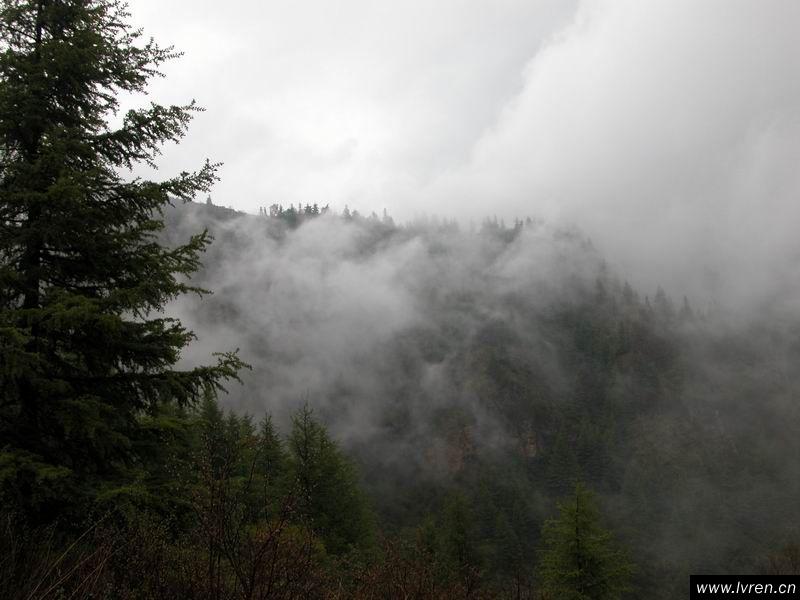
(458, 534)
(555, 382)
(329, 497)
(579, 560)
(82, 275)
(563, 469)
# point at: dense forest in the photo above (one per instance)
(310, 403)
(489, 370)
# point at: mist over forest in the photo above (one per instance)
(503, 363)
(421, 300)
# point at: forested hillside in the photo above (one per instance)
(196, 402)
(490, 369)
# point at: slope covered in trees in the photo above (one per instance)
(475, 376)
(420, 398)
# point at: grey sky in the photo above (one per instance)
(352, 101)
(668, 129)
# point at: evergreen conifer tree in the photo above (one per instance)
(329, 497)
(84, 349)
(459, 535)
(272, 455)
(579, 560)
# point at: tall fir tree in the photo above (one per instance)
(330, 500)
(84, 348)
(579, 560)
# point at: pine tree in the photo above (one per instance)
(663, 306)
(272, 459)
(579, 560)
(562, 468)
(329, 497)
(84, 350)
(686, 314)
(459, 535)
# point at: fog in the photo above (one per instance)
(650, 143)
(346, 315)
(431, 351)
(668, 130)
(501, 250)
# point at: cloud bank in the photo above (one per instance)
(668, 130)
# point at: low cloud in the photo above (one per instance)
(669, 131)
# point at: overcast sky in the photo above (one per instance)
(668, 129)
